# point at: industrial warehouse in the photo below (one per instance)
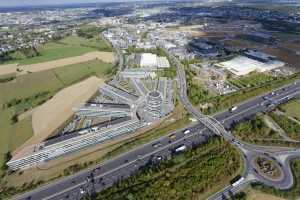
(251, 61)
(116, 111)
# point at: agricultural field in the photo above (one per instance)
(28, 91)
(107, 57)
(46, 119)
(67, 47)
(202, 171)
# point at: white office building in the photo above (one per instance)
(149, 60)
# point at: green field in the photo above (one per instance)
(226, 101)
(254, 130)
(292, 109)
(30, 90)
(195, 174)
(257, 131)
(252, 80)
(67, 47)
(291, 128)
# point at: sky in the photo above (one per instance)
(8, 3)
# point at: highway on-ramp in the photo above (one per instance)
(106, 174)
(116, 169)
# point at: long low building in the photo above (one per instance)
(92, 137)
(242, 65)
(103, 110)
(118, 95)
(137, 73)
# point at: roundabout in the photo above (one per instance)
(267, 168)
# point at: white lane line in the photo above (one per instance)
(125, 165)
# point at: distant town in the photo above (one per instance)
(178, 99)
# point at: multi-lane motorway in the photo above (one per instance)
(104, 175)
(221, 121)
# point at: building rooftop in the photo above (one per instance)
(242, 65)
(148, 60)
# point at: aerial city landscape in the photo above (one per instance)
(150, 100)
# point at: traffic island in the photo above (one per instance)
(267, 168)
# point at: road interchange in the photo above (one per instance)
(104, 175)
(219, 122)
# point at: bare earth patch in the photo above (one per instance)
(8, 69)
(48, 117)
(107, 57)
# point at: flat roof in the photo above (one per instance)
(242, 65)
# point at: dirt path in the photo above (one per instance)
(24, 69)
(51, 115)
(8, 69)
(273, 125)
(290, 117)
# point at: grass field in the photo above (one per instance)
(291, 128)
(51, 80)
(292, 109)
(252, 80)
(257, 131)
(28, 91)
(67, 47)
(254, 130)
(226, 101)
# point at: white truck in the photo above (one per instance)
(232, 109)
(180, 149)
(187, 131)
(238, 182)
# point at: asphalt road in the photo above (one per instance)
(96, 179)
(112, 171)
(222, 121)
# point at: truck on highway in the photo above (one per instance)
(187, 131)
(232, 109)
(236, 183)
(181, 148)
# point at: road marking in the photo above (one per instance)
(127, 164)
(82, 183)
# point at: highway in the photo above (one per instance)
(112, 171)
(222, 121)
(106, 174)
